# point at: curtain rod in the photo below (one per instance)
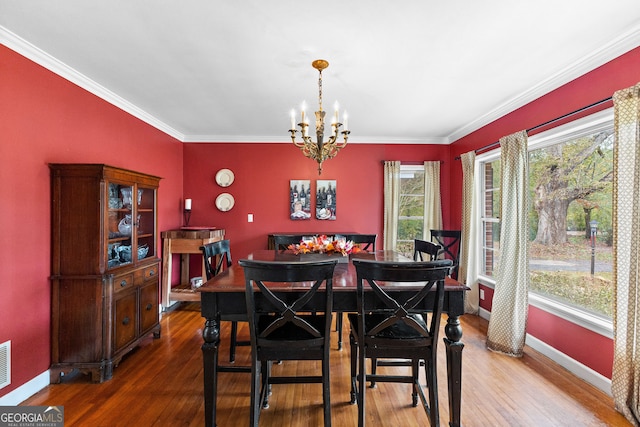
(557, 119)
(413, 162)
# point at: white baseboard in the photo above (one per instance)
(26, 390)
(576, 368)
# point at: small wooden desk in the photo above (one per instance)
(224, 294)
(185, 242)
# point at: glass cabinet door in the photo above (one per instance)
(121, 224)
(131, 224)
(146, 223)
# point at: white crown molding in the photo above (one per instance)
(215, 139)
(29, 51)
(623, 44)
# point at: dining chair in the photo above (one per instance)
(450, 241)
(424, 247)
(285, 327)
(217, 257)
(390, 326)
(282, 241)
(366, 242)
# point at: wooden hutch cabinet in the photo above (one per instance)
(105, 270)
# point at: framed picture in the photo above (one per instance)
(300, 199)
(326, 199)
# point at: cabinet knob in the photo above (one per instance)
(149, 306)
(126, 321)
(123, 283)
(152, 272)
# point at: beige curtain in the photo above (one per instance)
(391, 203)
(469, 245)
(625, 382)
(432, 204)
(507, 325)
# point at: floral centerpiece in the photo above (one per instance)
(325, 245)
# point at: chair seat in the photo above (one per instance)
(398, 331)
(291, 332)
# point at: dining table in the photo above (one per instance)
(225, 294)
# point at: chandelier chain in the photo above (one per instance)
(320, 90)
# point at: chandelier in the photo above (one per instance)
(319, 150)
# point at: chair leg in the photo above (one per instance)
(432, 383)
(362, 378)
(264, 391)
(354, 364)
(374, 368)
(254, 412)
(339, 329)
(415, 366)
(234, 342)
(326, 389)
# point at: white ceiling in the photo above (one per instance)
(411, 71)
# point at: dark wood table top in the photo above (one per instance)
(344, 278)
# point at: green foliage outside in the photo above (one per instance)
(577, 172)
(411, 213)
(594, 294)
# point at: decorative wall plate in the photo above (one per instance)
(224, 177)
(224, 202)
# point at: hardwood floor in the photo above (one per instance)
(160, 384)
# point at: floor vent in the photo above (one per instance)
(5, 364)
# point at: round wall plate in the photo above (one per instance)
(224, 202)
(224, 177)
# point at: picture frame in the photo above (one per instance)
(300, 199)
(326, 191)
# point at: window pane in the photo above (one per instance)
(570, 190)
(411, 212)
(570, 217)
(491, 247)
(491, 217)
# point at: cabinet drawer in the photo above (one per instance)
(148, 273)
(120, 283)
(151, 272)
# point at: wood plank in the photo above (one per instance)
(160, 383)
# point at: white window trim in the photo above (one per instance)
(574, 129)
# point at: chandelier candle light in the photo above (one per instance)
(319, 150)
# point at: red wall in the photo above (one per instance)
(45, 118)
(594, 86)
(261, 187)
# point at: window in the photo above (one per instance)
(490, 216)
(570, 230)
(411, 212)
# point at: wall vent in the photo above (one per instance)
(5, 364)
